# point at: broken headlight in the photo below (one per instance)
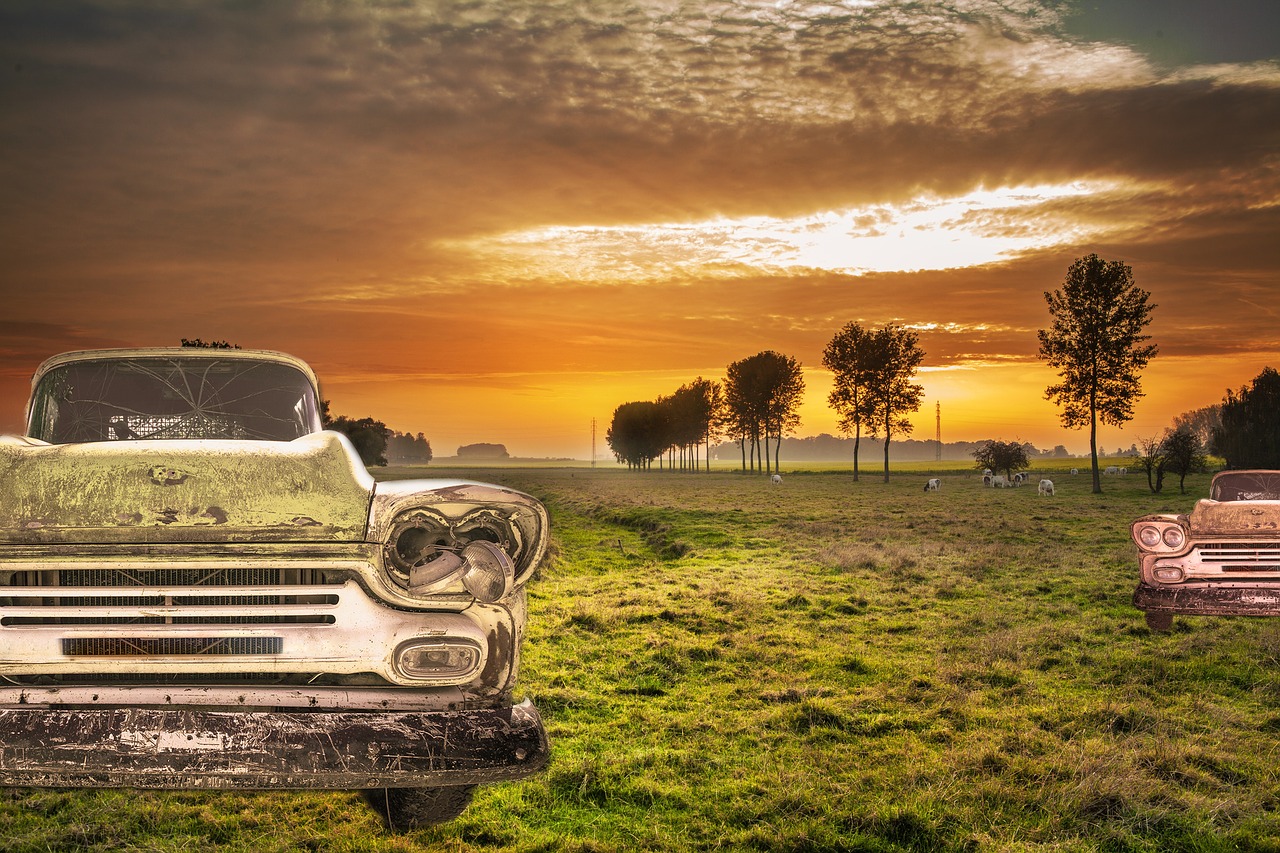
(427, 552)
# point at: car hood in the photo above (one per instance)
(1241, 518)
(310, 489)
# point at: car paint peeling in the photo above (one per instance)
(249, 576)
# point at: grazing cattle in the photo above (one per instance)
(1124, 471)
(999, 481)
(1075, 471)
(986, 472)
(775, 480)
(933, 485)
(1111, 470)
(987, 479)
(1020, 478)
(1046, 487)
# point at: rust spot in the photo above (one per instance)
(218, 514)
(303, 521)
(166, 476)
(34, 524)
(127, 518)
(167, 516)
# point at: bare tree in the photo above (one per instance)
(1183, 454)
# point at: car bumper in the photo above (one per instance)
(182, 748)
(1209, 600)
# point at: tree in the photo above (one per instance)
(847, 356)
(406, 449)
(637, 433)
(1183, 455)
(894, 357)
(1003, 456)
(1096, 344)
(1201, 422)
(368, 437)
(1151, 462)
(761, 394)
(1249, 436)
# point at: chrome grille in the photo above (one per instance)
(117, 647)
(159, 596)
(1241, 556)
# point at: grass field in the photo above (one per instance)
(821, 665)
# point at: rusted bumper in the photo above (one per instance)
(172, 748)
(1208, 600)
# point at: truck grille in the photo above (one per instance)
(116, 647)
(1241, 557)
(171, 596)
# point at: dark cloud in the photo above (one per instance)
(294, 174)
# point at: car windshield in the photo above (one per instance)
(173, 398)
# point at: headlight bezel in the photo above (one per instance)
(1160, 535)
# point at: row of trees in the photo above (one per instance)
(757, 403)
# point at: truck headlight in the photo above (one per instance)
(487, 571)
(1158, 534)
(427, 553)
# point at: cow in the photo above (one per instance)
(933, 485)
(1075, 471)
(775, 480)
(1000, 482)
(1046, 487)
(1111, 470)
(1020, 478)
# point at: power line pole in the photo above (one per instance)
(938, 409)
(593, 442)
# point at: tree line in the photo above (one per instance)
(756, 404)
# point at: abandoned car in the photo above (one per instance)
(1221, 559)
(202, 588)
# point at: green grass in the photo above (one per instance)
(821, 665)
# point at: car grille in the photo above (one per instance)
(172, 596)
(142, 647)
(1240, 557)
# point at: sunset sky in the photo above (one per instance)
(496, 221)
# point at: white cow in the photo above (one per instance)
(1046, 487)
(1111, 470)
(775, 480)
(1075, 471)
(987, 479)
(1000, 482)
(1020, 478)
(933, 485)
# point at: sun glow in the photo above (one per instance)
(926, 233)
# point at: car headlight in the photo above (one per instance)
(427, 552)
(1155, 534)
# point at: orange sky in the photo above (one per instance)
(496, 221)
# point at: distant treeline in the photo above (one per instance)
(830, 448)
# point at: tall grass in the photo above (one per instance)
(725, 664)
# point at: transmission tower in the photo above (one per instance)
(938, 409)
(593, 442)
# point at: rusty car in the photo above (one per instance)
(202, 588)
(1222, 558)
